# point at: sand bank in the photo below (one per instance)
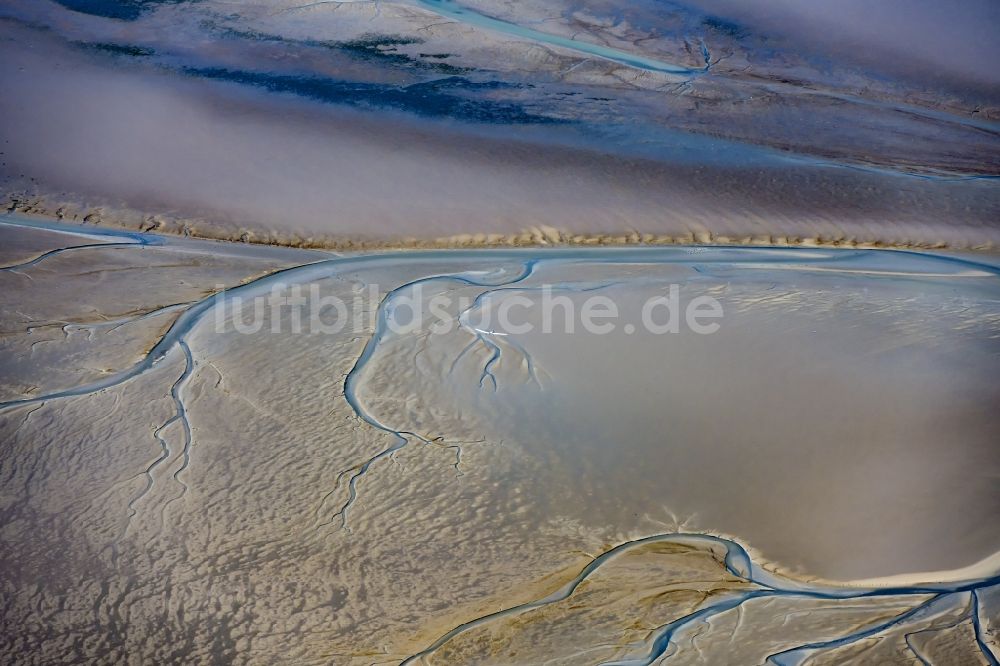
(283, 484)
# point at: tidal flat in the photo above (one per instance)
(443, 472)
(408, 123)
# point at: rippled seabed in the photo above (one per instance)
(177, 492)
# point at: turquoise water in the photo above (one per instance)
(451, 9)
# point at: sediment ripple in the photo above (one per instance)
(738, 563)
(737, 560)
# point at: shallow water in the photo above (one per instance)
(452, 9)
(289, 122)
(839, 389)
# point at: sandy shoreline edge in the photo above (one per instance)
(853, 236)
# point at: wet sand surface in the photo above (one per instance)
(203, 459)
(828, 413)
(178, 491)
